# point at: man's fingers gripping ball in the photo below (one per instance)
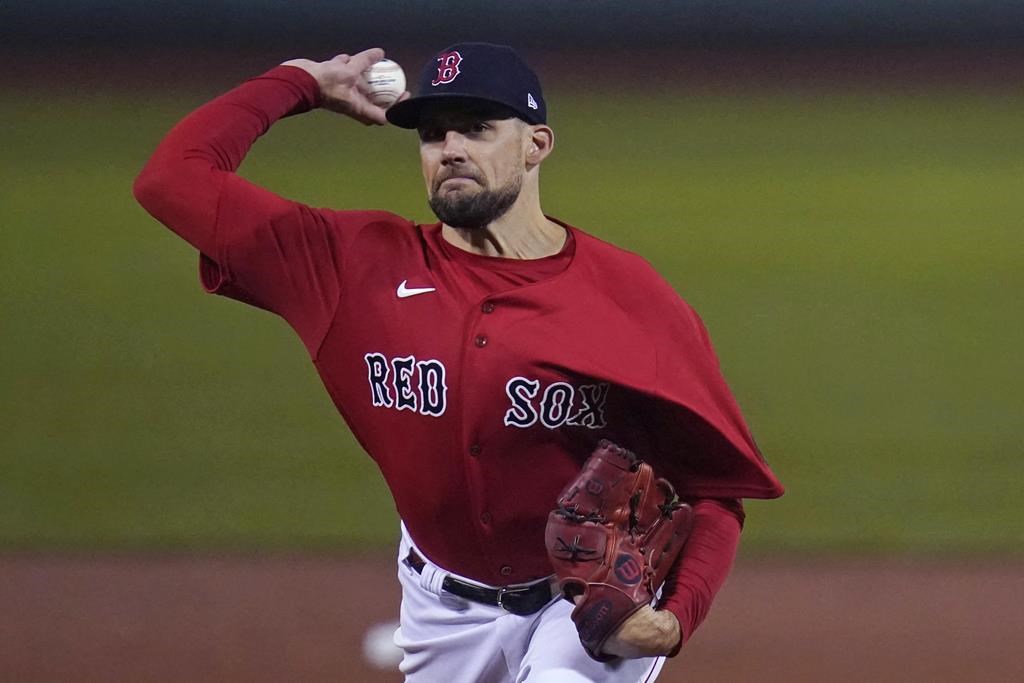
(344, 87)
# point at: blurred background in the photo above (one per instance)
(836, 187)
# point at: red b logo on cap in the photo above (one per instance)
(447, 67)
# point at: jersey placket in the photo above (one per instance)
(482, 326)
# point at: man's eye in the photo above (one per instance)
(430, 134)
(479, 127)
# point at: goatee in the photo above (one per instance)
(475, 211)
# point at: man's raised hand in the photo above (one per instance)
(343, 86)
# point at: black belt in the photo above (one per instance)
(521, 600)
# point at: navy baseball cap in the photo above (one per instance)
(474, 72)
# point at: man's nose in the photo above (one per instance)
(454, 150)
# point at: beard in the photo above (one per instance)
(473, 211)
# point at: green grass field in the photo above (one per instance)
(858, 258)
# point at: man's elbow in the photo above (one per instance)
(150, 188)
(177, 195)
(183, 197)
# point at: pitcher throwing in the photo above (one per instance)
(479, 360)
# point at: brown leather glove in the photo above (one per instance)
(612, 540)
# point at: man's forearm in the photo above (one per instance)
(181, 184)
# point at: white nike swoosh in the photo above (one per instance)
(404, 291)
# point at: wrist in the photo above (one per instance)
(301, 77)
(673, 633)
(670, 631)
(314, 69)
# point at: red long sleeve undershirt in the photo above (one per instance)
(183, 186)
(704, 564)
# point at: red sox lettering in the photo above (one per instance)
(419, 386)
(560, 404)
(407, 384)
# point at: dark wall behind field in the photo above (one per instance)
(584, 44)
(611, 24)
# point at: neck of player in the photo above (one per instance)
(523, 232)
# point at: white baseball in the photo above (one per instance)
(379, 648)
(385, 81)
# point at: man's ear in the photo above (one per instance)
(540, 144)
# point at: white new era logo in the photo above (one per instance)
(530, 102)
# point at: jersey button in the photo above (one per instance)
(475, 450)
(505, 570)
(488, 307)
(480, 341)
(485, 517)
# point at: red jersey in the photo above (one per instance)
(478, 385)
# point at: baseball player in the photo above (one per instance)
(478, 360)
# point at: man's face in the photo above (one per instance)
(473, 163)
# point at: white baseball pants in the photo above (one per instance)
(447, 639)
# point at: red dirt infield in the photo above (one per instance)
(155, 619)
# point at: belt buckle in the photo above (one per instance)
(505, 590)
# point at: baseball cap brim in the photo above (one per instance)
(408, 113)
